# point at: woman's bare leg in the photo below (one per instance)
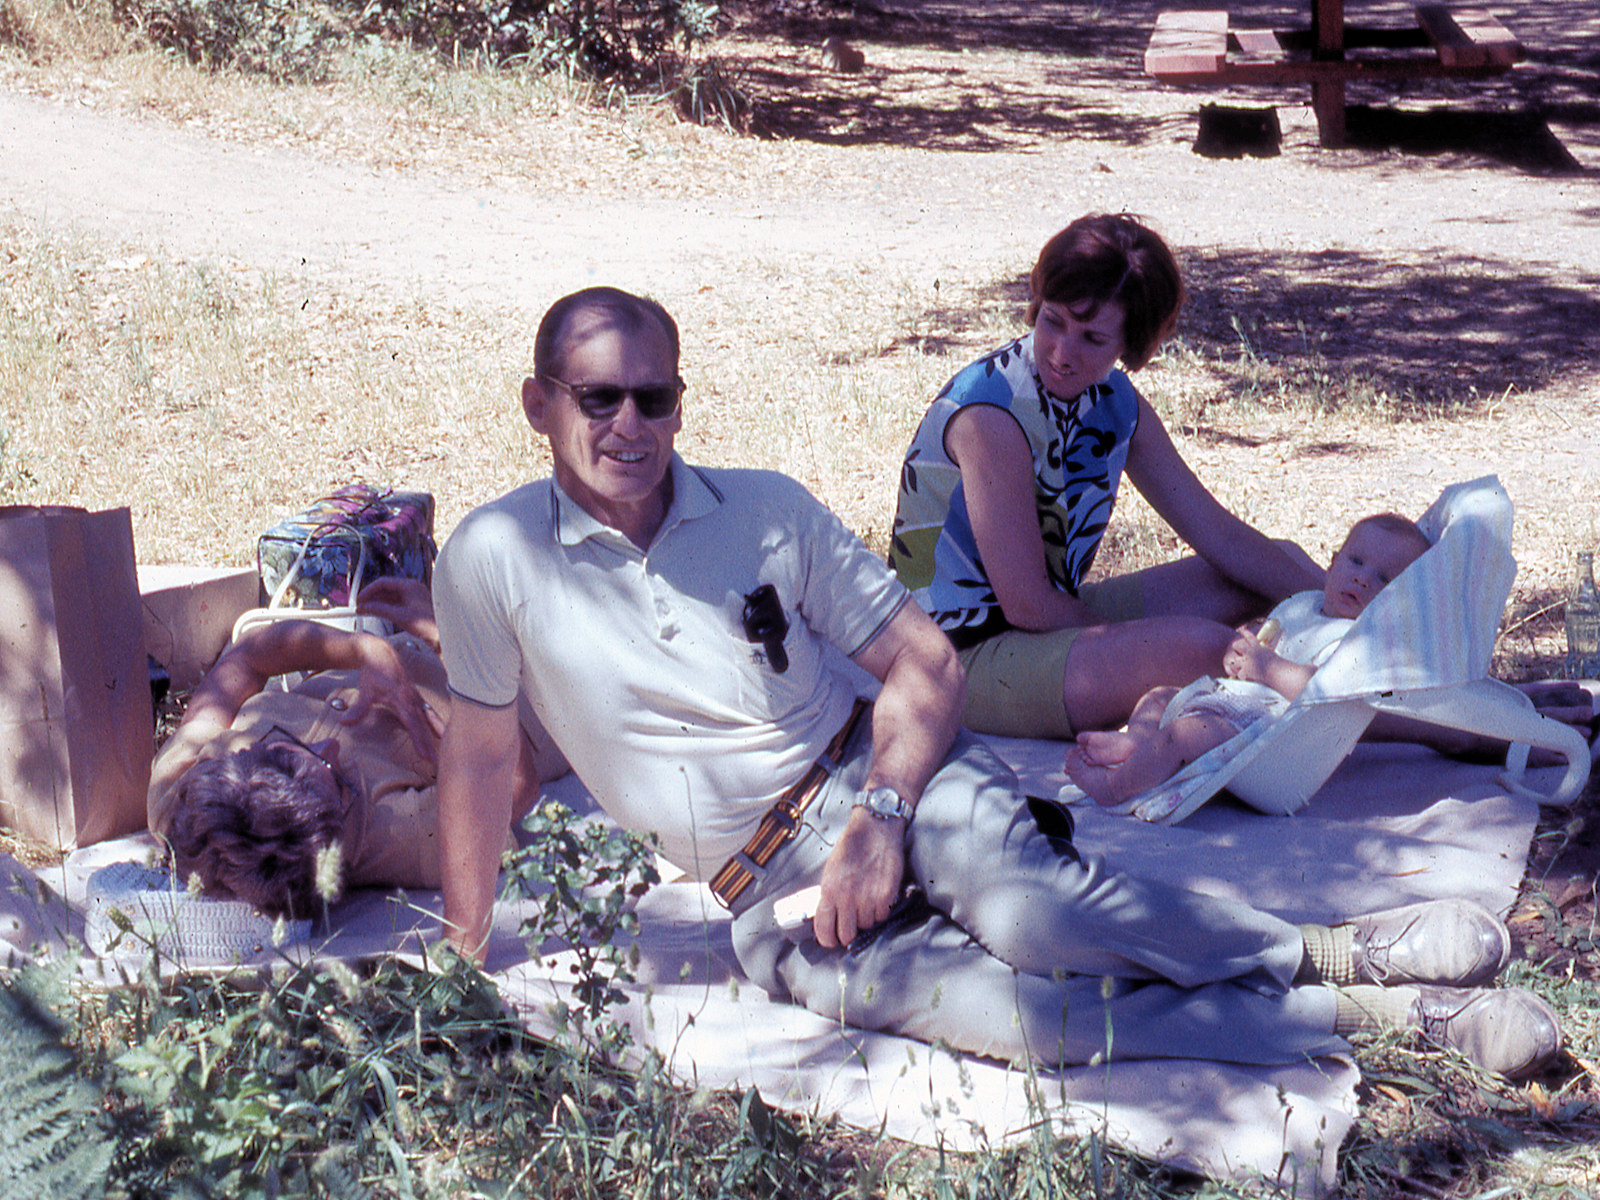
(1191, 587)
(1111, 667)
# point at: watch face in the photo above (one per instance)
(884, 802)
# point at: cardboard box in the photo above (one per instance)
(189, 614)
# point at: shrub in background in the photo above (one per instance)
(286, 40)
(635, 42)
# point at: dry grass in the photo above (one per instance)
(212, 399)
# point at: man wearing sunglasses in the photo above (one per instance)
(257, 784)
(681, 633)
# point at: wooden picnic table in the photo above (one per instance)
(1200, 46)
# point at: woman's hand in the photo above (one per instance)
(404, 603)
(383, 683)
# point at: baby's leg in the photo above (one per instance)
(1153, 759)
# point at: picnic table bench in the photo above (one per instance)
(1199, 46)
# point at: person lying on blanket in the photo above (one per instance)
(681, 632)
(255, 785)
(1171, 727)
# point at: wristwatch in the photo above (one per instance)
(885, 803)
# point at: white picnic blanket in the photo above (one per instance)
(1395, 824)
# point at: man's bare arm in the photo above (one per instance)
(478, 769)
(917, 713)
(913, 724)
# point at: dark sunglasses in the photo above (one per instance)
(764, 622)
(601, 401)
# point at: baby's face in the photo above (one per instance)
(1370, 557)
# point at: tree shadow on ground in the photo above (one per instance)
(930, 108)
(1054, 69)
(1425, 333)
(1428, 335)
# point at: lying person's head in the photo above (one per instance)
(1103, 267)
(1376, 550)
(253, 824)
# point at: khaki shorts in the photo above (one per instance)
(1014, 678)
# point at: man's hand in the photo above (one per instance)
(861, 879)
(383, 684)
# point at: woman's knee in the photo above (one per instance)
(1110, 667)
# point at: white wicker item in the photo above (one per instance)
(180, 926)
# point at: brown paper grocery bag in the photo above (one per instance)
(76, 729)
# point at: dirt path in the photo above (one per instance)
(973, 134)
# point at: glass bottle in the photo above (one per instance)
(1583, 622)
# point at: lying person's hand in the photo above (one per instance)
(404, 603)
(383, 683)
(861, 879)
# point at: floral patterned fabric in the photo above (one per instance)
(1079, 450)
(395, 527)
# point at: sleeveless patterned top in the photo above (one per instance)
(1079, 450)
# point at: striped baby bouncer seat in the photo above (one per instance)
(1421, 650)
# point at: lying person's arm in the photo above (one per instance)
(282, 647)
(407, 604)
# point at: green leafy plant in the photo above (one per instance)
(584, 878)
(707, 94)
(53, 1140)
(294, 40)
(326, 1077)
(286, 40)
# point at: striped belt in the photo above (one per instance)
(782, 821)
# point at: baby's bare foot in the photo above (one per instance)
(1097, 781)
(1107, 747)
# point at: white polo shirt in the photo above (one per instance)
(637, 662)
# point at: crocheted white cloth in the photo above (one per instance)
(132, 908)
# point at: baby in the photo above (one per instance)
(1169, 728)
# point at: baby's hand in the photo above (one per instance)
(1246, 658)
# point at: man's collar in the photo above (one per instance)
(693, 495)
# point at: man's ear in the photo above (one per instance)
(533, 402)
